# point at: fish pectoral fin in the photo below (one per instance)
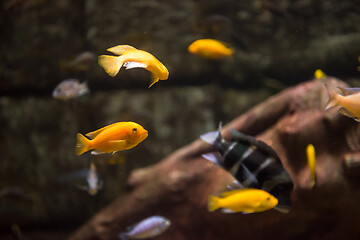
(154, 79)
(118, 144)
(93, 134)
(121, 49)
(345, 112)
(130, 65)
(97, 152)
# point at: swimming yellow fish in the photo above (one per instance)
(115, 137)
(131, 57)
(348, 100)
(246, 200)
(358, 68)
(318, 74)
(210, 48)
(311, 160)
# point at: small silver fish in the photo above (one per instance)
(92, 178)
(94, 184)
(147, 228)
(69, 89)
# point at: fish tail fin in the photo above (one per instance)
(332, 98)
(213, 203)
(111, 64)
(82, 144)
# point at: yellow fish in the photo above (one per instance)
(311, 160)
(348, 100)
(130, 57)
(115, 137)
(246, 200)
(358, 68)
(210, 48)
(318, 74)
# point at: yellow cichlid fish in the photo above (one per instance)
(130, 57)
(210, 48)
(115, 137)
(311, 160)
(246, 200)
(318, 74)
(358, 68)
(348, 100)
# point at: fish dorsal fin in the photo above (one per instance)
(121, 49)
(345, 112)
(154, 79)
(237, 136)
(93, 134)
(229, 193)
(130, 65)
(348, 91)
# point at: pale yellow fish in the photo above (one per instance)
(311, 160)
(210, 48)
(358, 68)
(130, 57)
(112, 138)
(246, 200)
(318, 74)
(349, 101)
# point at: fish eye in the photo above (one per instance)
(134, 130)
(268, 198)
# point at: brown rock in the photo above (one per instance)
(179, 185)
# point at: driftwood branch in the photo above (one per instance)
(178, 186)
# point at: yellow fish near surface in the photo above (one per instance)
(130, 57)
(115, 137)
(311, 160)
(318, 74)
(348, 100)
(210, 48)
(246, 200)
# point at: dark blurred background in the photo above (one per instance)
(278, 44)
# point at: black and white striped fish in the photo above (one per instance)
(253, 163)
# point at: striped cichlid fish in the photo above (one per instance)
(253, 163)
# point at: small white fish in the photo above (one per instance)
(147, 228)
(70, 89)
(94, 184)
(93, 180)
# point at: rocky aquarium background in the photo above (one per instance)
(278, 44)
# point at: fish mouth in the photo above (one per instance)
(144, 135)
